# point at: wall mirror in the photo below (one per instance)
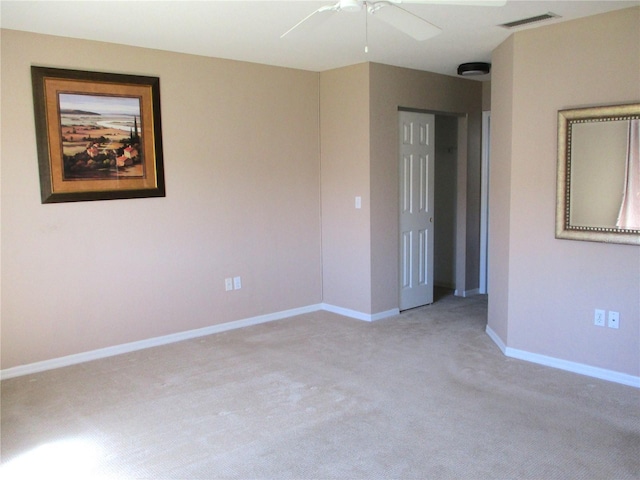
(598, 189)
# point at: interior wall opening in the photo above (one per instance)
(448, 262)
(445, 198)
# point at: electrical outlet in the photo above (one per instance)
(228, 284)
(598, 318)
(237, 283)
(614, 319)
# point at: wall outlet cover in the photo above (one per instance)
(598, 318)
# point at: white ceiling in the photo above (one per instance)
(250, 30)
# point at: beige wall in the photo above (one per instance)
(346, 231)
(359, 115)
(486, 96)
(242, 162)
(393, 87)
(543, 291)
(242, 173)
(500, 188)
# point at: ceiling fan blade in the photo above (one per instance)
(314, 19)
(405, 21)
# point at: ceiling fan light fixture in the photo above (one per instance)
(350, 5)
(474, 68)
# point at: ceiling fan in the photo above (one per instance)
(389, 12)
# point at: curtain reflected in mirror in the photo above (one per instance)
(629, 216)
(598, 191)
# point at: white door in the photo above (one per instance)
(416, 208)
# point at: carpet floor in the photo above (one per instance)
(423, 395)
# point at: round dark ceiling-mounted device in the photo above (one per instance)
(474, 68)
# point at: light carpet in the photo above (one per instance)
(423, 395)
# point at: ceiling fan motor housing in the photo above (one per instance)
(350, 5)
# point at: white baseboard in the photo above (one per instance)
(68, 360)
(359, 315)
(466, 293)
(496, 339)
(151, 342)
(180, 336)
(582, 369)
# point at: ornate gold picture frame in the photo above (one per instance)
(598, 177)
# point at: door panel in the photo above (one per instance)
(416, 208)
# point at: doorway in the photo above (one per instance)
(446, 198)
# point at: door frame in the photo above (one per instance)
(484, 202)
(461, 207)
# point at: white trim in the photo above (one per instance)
(466, 293)
(151, 342)
(359, 315)
(574, 367)
(484, 199)
(461, 204)
(496, 339)
(180, 336)
(68, 360)
(382, 315)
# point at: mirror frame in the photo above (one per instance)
(564, 228)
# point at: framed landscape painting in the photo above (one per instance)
(98, 135)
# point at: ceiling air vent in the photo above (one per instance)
(527, 21)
